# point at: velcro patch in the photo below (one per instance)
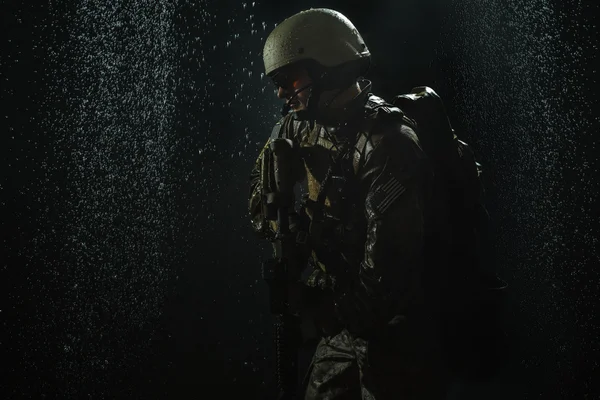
(387, 194)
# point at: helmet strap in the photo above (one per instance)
(287, 105)
(319, 79)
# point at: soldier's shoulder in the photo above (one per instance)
(389, 123)
(278, 129)
(288, 127)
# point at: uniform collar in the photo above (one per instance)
(352, 112)
(338, 118)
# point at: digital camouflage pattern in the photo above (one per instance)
(348, 367)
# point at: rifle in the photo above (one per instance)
(283, 268)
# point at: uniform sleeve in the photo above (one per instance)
(395, 179)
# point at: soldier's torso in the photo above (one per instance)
(344, 151)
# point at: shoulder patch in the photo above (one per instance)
(386, 194)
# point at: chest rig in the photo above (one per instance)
(333, 201)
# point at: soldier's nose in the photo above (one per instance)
(281, 93)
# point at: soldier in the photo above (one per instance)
(368, 184)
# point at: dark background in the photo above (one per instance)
(128, 132)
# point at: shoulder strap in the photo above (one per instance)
(389, 112)
(288, 128)
(277, 131)
(282, 128)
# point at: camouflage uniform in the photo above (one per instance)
(365, 287)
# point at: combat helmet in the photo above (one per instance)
(326, 41)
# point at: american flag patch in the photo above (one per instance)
(386, 194)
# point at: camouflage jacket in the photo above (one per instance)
(374, 208)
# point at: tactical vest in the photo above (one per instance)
(330, 197)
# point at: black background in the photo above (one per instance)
(128, 133)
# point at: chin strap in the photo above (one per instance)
(312, 103)
(287, 106)
(311, 112)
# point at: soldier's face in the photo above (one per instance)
(290, 79)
